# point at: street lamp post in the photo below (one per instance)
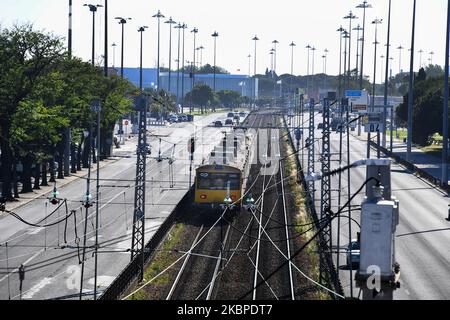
(114, 45)
(325, 56)
(350, 17)
(420, 58)
(411, 87)
(446, 98)
(313, 49)
(400, 48)
(376, 22)
(292, 45)
(194, 31)
(363, 6)
(179, 26)
(184, 27)
(307, 70)
(141, 31)
(275, 42)
(386, 83)
(106, 40)
(170, 22)
(431, 57)
(215, 35)
(93, 9)
(159, 15)
(254, 80)
(340, 30)
(358, 40)
(122, 22)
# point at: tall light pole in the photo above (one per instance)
(179, 26)
(376, 22)
(114, 45)
(194, 31)
(308, 47)
(325, 56)
(340, 30)
(69, 37)
(159, 15)
(445, 111)
(350, 17)
(93, 8)
(313, 49)
(255, 39)
(215, 35)
(141, 31)
(200, 61)
(400, 48)
(411, 87)
(358, 40)
(382, 68)
(292, 45)
(122, 22)
(275, 42)
(184, 27)
(386, 83)
(106, 39)
(431, 57)
(249, 65)
(170, 22)
(363, 6)
(420, 58)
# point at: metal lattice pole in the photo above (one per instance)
(311, 144)
(137, 243)
(325, 190)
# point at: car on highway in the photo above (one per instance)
(183, 118)
(353, 253)
(230, 115)
(242, 114)
(218, 123)
(172, 118)
(229, 122)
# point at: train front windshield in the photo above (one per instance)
(218, 181)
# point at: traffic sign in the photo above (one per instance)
(373, 122)
(126, 122)
(353, 93)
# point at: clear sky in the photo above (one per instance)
(237, 21)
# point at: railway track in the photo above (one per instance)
(231, 258)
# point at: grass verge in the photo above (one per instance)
(162, 260)
(302, 218)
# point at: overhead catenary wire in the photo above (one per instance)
(332, 216)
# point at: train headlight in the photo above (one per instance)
(203, 196)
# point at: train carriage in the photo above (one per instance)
(215, 183)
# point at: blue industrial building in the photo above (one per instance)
(245, 85)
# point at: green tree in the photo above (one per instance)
(26, 56)
(201, 96)
(229, 98)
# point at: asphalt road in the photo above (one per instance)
(422, 236)
(52, 268)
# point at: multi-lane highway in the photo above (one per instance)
(422, 236)
(51, 256)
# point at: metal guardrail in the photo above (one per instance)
(126, 278)
(411, 167)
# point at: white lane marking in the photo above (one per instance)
(34, 231)
(25, 263)
(407, 292)
(37, 287)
